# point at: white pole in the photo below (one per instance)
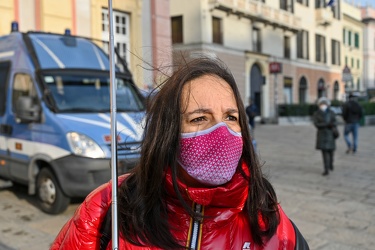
(113, 88)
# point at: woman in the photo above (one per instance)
(325, 122)
(198, 184)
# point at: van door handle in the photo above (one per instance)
(6, 129)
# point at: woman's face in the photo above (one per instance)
(206, 101)
(209, 100)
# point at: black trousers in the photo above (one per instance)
(328, 159)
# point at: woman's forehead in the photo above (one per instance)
(208, 90)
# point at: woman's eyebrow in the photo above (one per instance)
(199, 111)
(232, 110)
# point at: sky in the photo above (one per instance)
(363, 2)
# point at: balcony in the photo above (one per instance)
(323, 16)
(258, 12)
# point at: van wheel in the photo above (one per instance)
(51, 199)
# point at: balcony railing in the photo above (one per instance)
(324, 16)
(258, 12)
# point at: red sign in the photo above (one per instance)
(275, 67)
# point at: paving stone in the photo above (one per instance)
(333, 212)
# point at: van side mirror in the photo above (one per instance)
(27, 110)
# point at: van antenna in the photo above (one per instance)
(112, 77)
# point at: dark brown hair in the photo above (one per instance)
(142, 210)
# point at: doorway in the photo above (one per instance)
(256, 82)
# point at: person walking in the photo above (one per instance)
(325, 121)
(198, 184)
(252, 112)
(352, 113)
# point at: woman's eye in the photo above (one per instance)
(232, 118)
(198, 119)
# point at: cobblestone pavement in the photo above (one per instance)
(333, 212)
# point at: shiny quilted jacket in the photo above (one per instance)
(224, 227)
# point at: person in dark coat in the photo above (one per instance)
(324, 120)
(252, 112)
(352, 114)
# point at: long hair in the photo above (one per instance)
(143, 215)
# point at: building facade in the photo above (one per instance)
(368, 18)
(140, 27)
(302, 40)
(352, 42)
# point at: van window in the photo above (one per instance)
(4, 72)
(80, 92)
(22, 86)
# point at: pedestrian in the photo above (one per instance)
(325, 121)
(252, 112)
(352, 113)
(198, 184)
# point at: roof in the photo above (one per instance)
(54, 51)
(65, 51)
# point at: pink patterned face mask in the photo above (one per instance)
(211, 156)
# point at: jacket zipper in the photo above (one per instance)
(196, 229)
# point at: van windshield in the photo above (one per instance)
(72, 92)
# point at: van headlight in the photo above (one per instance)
(84, 146)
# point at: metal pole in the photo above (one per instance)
(275, 100)
(113, 88)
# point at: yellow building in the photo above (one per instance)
(137, 39)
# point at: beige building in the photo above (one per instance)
(303, 37)
(352, 45)
(368, 19)
(142, 27)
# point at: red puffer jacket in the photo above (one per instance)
(225, 227)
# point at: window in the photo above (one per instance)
(344, 36)
(303, 44)
(321, 88)
(177, 32)
(105, 22)
(302, 90)
(4, 73)
(257, 44)
(122, 37)
(335, 49)
(352, 62)
(73, 90)
(217, 33)
(320, 4)
(286, 46)
(320, 48)
(303, 2)
(336, 10)
(356, 40)
(22, 86)
(358, 84)
(336, 90)
(357, 63)
(349, 38)
(288, 90)
(287, 5)
(346, 60)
